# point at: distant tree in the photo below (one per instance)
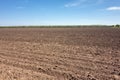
(117, 26)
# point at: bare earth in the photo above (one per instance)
(59, 54)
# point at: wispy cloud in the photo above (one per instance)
(20, 7)
(100, 1)
(113, 8)
(76, 3)
(26, 1)
(72, 4)
(23, 4)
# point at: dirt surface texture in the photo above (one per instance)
(59, 54)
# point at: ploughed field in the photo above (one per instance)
(59, 54)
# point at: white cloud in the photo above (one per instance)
(113, 8)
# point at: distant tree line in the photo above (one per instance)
(58, 26)
(64, 26)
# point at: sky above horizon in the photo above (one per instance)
(59, 12)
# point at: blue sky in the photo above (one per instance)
(59, 12)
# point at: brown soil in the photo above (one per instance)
(59, 54)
